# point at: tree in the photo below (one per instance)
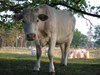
(79, 7)
(84, 42)
(9, 33)
(78, 39)
(97, 34)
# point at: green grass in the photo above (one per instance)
(22, 64)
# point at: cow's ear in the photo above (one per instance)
(42, 17)
(17, 17)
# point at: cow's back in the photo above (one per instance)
(65, 23)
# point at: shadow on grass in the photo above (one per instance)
(24, 66)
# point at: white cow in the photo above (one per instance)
(46, 25)
(79, 53)
(33, 51)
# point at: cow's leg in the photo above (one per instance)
(62, 47)
(38, 54)
(50, 53)
(67, 47)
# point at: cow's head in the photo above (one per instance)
(32, 22)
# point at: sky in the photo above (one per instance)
(81, 23)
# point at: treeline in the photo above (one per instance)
(12, 35)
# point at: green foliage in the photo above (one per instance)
(78, 39)
(97, 34)
(12, 5)
(8, 33)
(98, 42)
(18, 5)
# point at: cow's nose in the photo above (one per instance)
(31, 36)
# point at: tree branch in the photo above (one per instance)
(78, 1)
(13, 8)
(63, 4)
(88, 21)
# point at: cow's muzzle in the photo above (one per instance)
(31, 37)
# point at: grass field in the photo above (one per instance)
(22, 64)
(17, 64)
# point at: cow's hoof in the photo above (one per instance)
(36, 72)
(51, 73)
(62, 64)
(36, 69)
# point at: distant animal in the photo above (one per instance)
(46, 25)
(33, 51)
(79, 53)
